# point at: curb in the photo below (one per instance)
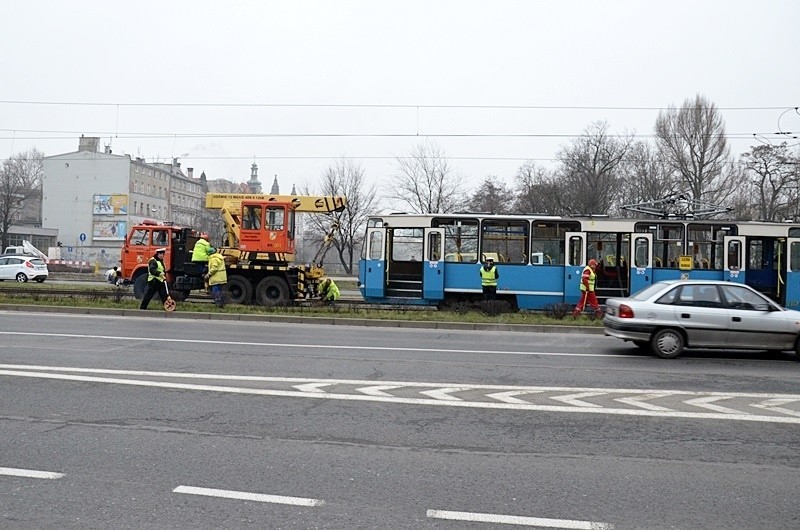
(291, 319)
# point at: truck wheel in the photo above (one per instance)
(139, 286)
(272, 291)
(239, 290)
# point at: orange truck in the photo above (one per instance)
(258, 246)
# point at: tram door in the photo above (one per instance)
(575, 261)
(733, 265)
(641, 271)
(792, 285)
(433, 265)
(375, 264)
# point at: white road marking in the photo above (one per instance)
(575, 399)
(377, 390)
(33, 371)
(311, 387)
(305, 346)
(638, 401)
(775, 404)
(518, 520)
(247, 496)
(444, 393)
(29, 473)
(706, 403)
(508, 397)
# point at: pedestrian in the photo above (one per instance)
(111, 275)
(217, 277)
(588, 279)
(200, 253)
(489, 277)
(328, 291)
(156, 276)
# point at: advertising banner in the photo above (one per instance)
(109, 230)
(110, 205)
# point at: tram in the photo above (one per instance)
(433, 259)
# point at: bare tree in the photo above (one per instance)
(20, 180)
(692, 140)
(589, 176)
(772, 174)
(536, 190)
(492, 196)
(426, 183)
(645, 176)
(346, 178)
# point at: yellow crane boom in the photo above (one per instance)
(302, 203)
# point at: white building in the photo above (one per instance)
(93, 197)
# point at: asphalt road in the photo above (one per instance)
(110, 422)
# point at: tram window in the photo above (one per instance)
(375, 222)
(407, 244)
(733, 255)
(434, 242)
(275, 218)
(375, 245)
(508, 239)
(547, 242)
(755, 255)
(460, 239)
(641, 255)
(575, 250)
(794, 256)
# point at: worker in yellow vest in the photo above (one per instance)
(588, 280)
(489, 277)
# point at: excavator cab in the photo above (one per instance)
(266, 226)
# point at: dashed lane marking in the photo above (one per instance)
(248, 496)
(518, 520)
(29, 473)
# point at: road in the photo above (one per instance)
(163, 423)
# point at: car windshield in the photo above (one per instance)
(37, 261)
(648, 291)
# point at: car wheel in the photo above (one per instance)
(21, 278)
(667, 343)
(797, 349)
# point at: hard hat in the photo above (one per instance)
(205, 236)
(160, 250)
(593, 263)
(489, 258)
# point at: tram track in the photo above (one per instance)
(119, 294)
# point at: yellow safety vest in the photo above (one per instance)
(160, 265)
(592, 277)
(489, 278)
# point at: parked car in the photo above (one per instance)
(23, 268)
(669, 316)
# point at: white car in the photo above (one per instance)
(669, 316)
(23, 268)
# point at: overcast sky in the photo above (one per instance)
(295, 84)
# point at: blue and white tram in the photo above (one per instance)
(434, 259)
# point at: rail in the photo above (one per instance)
(119, 294)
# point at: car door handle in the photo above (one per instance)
(737, 319)
(686, 315)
